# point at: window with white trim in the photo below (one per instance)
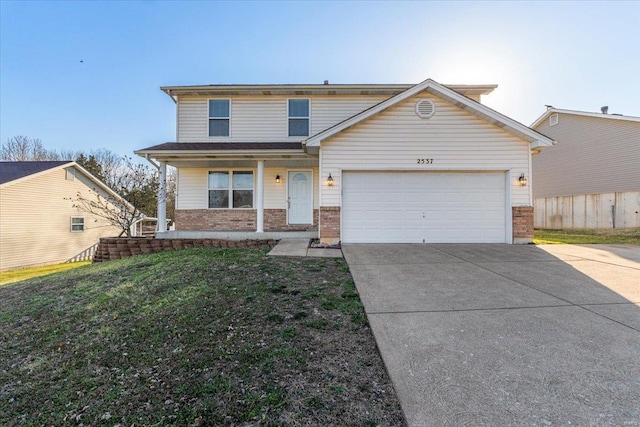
(230, 189)
(298, 117)
(219, 117)
(77, 224)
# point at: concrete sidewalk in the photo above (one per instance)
(300, 247)
(506, 335)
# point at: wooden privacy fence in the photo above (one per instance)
(605, 210)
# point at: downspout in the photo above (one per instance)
(530, 180)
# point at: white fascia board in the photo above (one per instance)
(535, 139)
(311, 89)
(551, 111)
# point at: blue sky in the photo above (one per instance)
(574, 55)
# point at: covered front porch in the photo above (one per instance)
(237, 235)
(239, 191)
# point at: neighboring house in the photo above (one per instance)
(38, 223)
(591, 178)
(351, 163)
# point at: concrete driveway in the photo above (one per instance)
(502, 335)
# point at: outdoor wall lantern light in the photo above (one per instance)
(277, 179)
(522, 180)
(330, 180)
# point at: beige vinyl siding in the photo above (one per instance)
(593, 155)
(396, 138)
(193, 190)
(265, 119)
(35, 222)
(193, 120)
(327, 111)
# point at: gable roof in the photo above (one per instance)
(10, 171)
(551, 111)
(535, 139)
(13, 172)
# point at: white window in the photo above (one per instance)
(69, 174)
(298, 117)
(219, 117)
(77, 224)
(230, 189)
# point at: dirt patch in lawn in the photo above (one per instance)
(194, 337)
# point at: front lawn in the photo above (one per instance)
(193, 337)
(629, 236)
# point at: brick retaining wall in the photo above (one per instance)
(111, 248)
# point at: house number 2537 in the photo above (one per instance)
(425, 161)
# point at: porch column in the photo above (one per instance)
(162, 197)
(260, 198)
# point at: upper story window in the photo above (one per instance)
(230, 189)
(298, 117)
(219, 117)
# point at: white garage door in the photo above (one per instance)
(423, 207)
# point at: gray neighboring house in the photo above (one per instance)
(591, 178)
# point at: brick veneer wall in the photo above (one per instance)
(522, 218)
(216, 219)
(238, 220)
(276, 220)
(330, 223)
(111, 248)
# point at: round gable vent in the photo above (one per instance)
(425, 108)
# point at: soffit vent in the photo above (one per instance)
(553, 120)
(425, 108)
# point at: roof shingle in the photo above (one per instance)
(10, 171)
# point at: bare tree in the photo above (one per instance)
(22, 148)
(136, 184)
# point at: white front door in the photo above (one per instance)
(300, 197)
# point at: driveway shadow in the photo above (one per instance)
(503, 334)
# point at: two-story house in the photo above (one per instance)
(354, 163)
(591, 178)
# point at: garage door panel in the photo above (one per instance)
(396, 207)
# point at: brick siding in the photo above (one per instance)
(237, 220)
(522, 217)
(330, 223)
(216, 219)
(276, 220)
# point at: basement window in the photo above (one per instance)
(231, 190)
(77, 224)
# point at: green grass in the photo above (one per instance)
(629, 236)
(194, 337)
(29, 273)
